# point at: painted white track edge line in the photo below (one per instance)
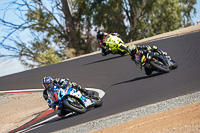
(101, 92)
(24, 130)
(27, 90)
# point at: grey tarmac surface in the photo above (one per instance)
(126, 86)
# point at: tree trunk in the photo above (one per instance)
(135, 15)
(71, 29)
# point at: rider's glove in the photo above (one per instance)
(73, 84)
(63, 83)
(164, 53)
(56, 80)
(78, 87)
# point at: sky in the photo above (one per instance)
(197, 17)
(12, 66)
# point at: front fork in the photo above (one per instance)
(168, 60)
(123, 47)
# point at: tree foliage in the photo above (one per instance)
(165, 16)
(66, 24)
(142, 18)
(58, 27)
(40, 53)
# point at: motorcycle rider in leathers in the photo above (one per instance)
(138, 53)
(103, 39)
(48, 84)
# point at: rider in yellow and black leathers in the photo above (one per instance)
(114, 43)
(138, 54)
(110, 42)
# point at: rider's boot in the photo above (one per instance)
(107, 50)
(87, 92)
(104, 53)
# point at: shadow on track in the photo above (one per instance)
(138, 78)
(103, 60)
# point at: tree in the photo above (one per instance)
(165, 16)
(109, 14)
(39, 53)
(120, 16)
(57, 27)
(142, 18)
(66, 24)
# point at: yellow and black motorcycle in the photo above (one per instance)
(153, 61)
(115, 45)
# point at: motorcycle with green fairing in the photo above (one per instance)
(115, 45)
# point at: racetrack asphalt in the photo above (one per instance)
(125, 85)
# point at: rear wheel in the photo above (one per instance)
(74, 104)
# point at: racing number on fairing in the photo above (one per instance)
(55, 97)
(75, 93)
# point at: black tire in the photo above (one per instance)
(76, 107)
(148, 71)
(122, 53)
(62, 113)
(159, 67)
(98, 101)
(103, 53)
(175, 65)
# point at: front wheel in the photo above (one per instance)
(157, 65)
(98, 101)
(74, 104)
(175, 65)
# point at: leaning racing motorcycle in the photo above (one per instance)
(153, 61)
(116, 45)
(72, 100)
